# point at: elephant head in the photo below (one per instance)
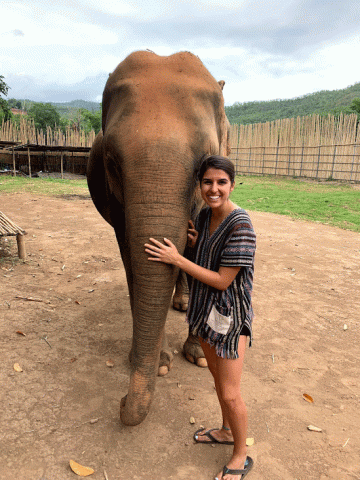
(160, 116)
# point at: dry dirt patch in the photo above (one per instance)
(306, 290)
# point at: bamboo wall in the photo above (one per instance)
(25, 132)
(315, 147)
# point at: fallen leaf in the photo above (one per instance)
(110, 363)
(312, 428)
(21, 333)
(345, 327)
(192, 420)
(17, 368)
(249, 442)
(308, 398)
(77, 302)
(94, 420)
(80, 469)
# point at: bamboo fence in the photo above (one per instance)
(25, 132)
(316, 147)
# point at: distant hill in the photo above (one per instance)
(325, 102)
(92, 106)
(66, 109)
(69, 109)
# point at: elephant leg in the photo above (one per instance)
(166, 357)
(193, 351)
(181, 294)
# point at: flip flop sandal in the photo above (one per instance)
(210, 437)
(247, 467)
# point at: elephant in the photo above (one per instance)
(160, 115)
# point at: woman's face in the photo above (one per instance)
(216, 187)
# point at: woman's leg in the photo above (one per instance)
(228, 377)
(223, 434)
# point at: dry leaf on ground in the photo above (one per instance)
(21, 333)
(308, 398)
(110, 363)
(80, 469)
(17, 367)
(312, 428)
(249, 442)
(192, 420)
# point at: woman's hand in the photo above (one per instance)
(192, 235)
(162, 253)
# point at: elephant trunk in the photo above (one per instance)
(151, 289)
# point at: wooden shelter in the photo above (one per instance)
(44, 149)
(9, 228)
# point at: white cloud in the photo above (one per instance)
(263, 49)
(41, 28)
(114, 7)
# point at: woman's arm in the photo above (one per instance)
(168, 254)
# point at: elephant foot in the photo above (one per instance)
(180, 302)
(166, 361)
(193, 352)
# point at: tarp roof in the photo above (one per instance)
(7, 144)
(51, 148)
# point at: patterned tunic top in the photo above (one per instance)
(232, 244)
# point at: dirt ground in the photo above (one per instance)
(65, 403)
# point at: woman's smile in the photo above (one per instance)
(216, 187)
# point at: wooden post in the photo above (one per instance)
(263, 161)
(353, 161)
(21, 246)
(276, 158)
(289, 161)
(302, 159)
(14, 164)
(28, 152)
(318, 162)
(333, 164)
(249, 160)
(62, 165)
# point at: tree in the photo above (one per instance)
(4, 107)
(92, 120)
(355, 106)
(44, 115)
(13, 103)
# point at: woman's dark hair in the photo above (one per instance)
(218, 162)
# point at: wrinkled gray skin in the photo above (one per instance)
(160, 115)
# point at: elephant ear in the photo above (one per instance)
(97, 181)
(224, 140)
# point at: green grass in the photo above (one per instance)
(328, 203)
(43, 186)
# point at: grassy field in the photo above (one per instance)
(327, 202)
(43, 186)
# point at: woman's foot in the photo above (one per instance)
(214, 435)
(236, 469)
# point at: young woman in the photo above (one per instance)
(220, 311)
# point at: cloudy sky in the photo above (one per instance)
(52, 50)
